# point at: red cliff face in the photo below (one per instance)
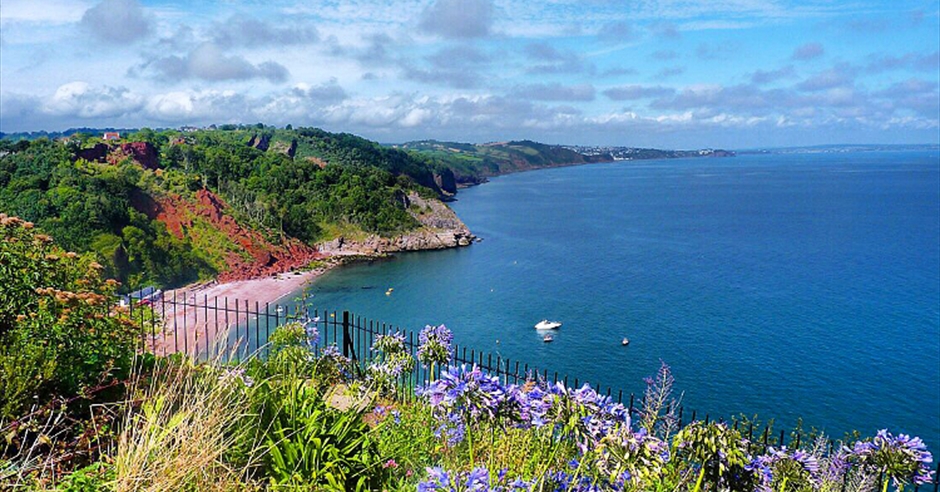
(257, 256)
(143, 152)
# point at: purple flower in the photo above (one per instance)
(902, 457)
(438, 479)
(310, 328)
(453, 429)
(476, 480)
(434, 344)
(760, 467)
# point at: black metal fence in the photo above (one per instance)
(206, 328)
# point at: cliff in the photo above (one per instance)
(440, 229)
(204, 221)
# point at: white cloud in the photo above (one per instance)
(84, 101)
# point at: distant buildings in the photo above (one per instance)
(111, 136)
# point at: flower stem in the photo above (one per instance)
(701, 475)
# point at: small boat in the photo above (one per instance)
(547, 325)
(547, 338)
(625, 342)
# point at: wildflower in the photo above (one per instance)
(390, 464)
(759, 467)
(394, 360)
(902, 457)
(434, 344)
(453, 429)
(310, 328)
(476, 480)
(438, 479)
(236, 374)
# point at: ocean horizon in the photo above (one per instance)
(782, 286)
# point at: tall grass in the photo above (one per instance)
(177, 437)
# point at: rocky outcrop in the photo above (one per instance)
(260, 142)
(440, 229)
(446, 181)
(288, 149)
(144, 153)
(98, 153)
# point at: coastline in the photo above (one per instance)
(190, 314)
(184, 320)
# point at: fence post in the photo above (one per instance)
(347, 340)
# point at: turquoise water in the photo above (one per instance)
(780, 285)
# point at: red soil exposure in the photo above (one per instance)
(266, 258)
(143, 152)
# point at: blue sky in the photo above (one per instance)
(667, 73)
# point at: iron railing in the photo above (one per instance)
(208, 328)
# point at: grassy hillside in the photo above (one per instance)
(171, 207)
(471, 163)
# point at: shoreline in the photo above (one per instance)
(184, 309)
(189, 312)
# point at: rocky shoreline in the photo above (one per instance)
(440, 229)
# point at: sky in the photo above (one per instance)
(647, 73)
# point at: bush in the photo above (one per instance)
(311, 446)
(58, 331)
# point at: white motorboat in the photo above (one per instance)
(547, 325)
(625, 341)
(547, 338)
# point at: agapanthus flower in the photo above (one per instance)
(452, 429)
(635, 457)
(389, 344)
(476, 480)
(760, 467)
(434, 345)
(310, 328)
(332, 353)
(807, 461)
(392, 362)
(902, 457)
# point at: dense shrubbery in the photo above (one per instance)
(87, 208)
(301, 420)
(334, 181)
(64, 352)
(58, 332)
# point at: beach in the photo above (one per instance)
(204, 311)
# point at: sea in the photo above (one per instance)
(776, 286)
